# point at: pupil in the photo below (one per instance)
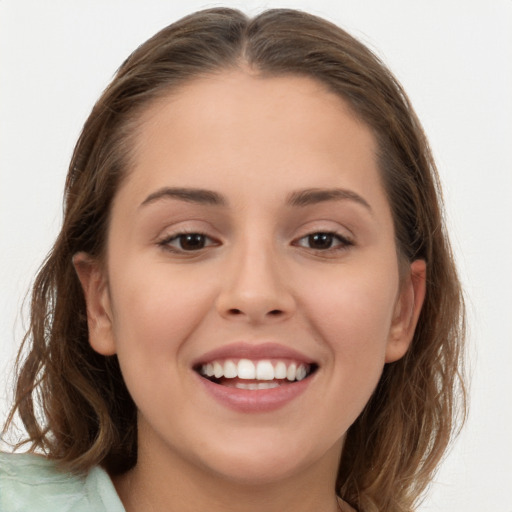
(192, 242)
(320, 240)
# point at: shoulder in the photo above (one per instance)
(32, 482)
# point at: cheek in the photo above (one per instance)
(154, 310)
(352, 312)
(352, 319)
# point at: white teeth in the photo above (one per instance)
(208, 370)
(264, 370)
(256, 385)
(301, 372)
(218, 370)
(230, 370)
(280, 371)
(291, 372)
(246, 369)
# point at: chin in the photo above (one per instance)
(265, 462)
(258, 471)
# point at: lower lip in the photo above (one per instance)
(258, 400)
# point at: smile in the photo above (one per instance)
(262, 374)
(255, 378)
(255, 370)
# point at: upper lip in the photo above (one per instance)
(245, 350)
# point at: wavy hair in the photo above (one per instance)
(73, 402)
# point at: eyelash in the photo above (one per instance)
(341, 242)
(180, 237)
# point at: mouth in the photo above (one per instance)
(255, 378)
(254, 375)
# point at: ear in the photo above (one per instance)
(407, 311)
(99, 311)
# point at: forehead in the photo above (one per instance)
(240, 125)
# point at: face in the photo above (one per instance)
(251, 286)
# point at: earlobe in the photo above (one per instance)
(407, 311)
(99, 312)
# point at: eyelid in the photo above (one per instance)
(325, 225)
(175, 227)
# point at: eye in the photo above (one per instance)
(187, 242)
(324, 241)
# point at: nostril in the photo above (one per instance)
(274, 312)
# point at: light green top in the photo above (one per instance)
(31, 483)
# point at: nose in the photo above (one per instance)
(254, 289)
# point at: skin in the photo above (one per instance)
(255, 141)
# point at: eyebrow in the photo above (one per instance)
(299, 198)
(319, 195)
(191, 195)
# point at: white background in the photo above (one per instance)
(455, 60)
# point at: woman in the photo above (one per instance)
(252, 303)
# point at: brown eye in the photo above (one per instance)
(324, 241)
(192, 241)
(187, 242)
(321, 240)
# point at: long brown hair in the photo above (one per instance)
(73, 402)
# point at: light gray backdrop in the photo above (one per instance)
(455, 60)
